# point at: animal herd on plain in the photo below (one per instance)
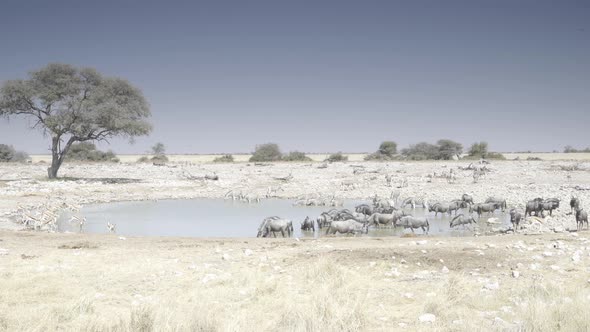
(384, 213)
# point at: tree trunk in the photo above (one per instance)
(57, 156)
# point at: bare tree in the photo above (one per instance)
(72, 104)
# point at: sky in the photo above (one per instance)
(320, 76)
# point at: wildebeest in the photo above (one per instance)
(533, 206)
(500, 202)
(549, 204)
(307, 225)
(515, 217)
(413, 222)
(486, 207)
(581, 218)
(461, 219)
(467, 198)
(275, 224)
(323, 220)
(445, 207)
(347, 227)
(574, 204)
(385, 218)
(364, 209)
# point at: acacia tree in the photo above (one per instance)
(71, 104)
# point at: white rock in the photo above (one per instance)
(515, 274)
(402, 261)
(554, 267)
(225, 257)
(3, 252)
(122, 238)
(402, 324)
(547, 254)
(248, 252)
(445, 269)
(372, 264)
(422, 242)
(492, 286)
(409, 295)
(427, 318)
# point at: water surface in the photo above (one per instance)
(226, 218)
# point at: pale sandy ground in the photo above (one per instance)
(101, 282)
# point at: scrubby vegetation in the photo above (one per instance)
(266, 152)
(387, 151)
(86, 151)
(9, 154)
(159, 152)
(272, 152)
(295, 156)
(480, 151)
(336, 157)
(226, 158)
(570, 149)
(444, 149)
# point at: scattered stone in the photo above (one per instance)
(492, 286)
(422, 242)
(515, 274)
(445, 269)
(3, 252)
(547, 254)
(225, 257)
(372, 264)
(427, 318)
(122, 238)
(248, 252)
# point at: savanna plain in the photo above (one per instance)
(536, 279)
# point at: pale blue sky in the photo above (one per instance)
(319, 76)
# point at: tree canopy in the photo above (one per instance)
(71, 104)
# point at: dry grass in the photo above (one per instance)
(335, 284)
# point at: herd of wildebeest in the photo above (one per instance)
(384, 213)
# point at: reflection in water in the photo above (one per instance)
(219, 218)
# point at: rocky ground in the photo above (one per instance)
(537, 280)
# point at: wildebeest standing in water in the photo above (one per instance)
(275, 224)
(413, 222)
(581, 218)
(307, 225)
(461, 220)
(500, 202)
(347, 227)
(515, 217)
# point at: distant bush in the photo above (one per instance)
(570, 149)
(421, 151)
(387, 151)
(143, 159)
(295, 156)
(159, 152)
(480, 150)
(266, 152)
(448, 149)
(226, 158)
(9, 154)
(336, 157)
(86, 151)
(533, 159)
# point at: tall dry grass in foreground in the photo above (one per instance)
(321, 296)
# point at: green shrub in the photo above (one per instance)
(378, 156)
(336, 157)
(421, 151)
(295, 156)
(226, 158)
(266, 152)
(9, 154)
(86, 151)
